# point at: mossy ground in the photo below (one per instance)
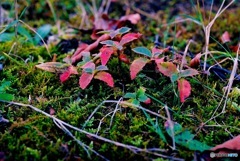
(32, 136)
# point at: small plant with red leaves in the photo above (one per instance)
(112, 44)
(168, 69)
(91, 66)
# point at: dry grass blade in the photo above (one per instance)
(30, 28)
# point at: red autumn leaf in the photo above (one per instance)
(234, 48)
(106, 53)
(64, 76)
(94, 35)
(156, 52)
(195, 61)
(124, 58)
(78, 54)
(129, 37)
(159, 61)
(51, 111)
(133, 18)
(233, 144)
(105, 77)
(184, 89)
(80, 48)
(148, 101)
(167, 68)
(225, 37)
(90, 65)
(137, 66)
(85, 79)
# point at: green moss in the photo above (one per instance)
(31, 136)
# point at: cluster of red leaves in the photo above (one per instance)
(168, 69)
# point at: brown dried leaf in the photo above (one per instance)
(54, 67)
(195, 61)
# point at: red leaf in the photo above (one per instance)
(105, 77)
(94, 35)
(51, 111)
(64, 76)
(234, 48)
(72, 70)
(78, 54)
(80, 48)
(136, 66)
(124, 58)
(159, 61)
(225, 37)
(184, 89)
(156, 52)
(85, 79)
(195, 61)
(233, 144)
(106, 53)
(133, 18)
(90, 65)
(148, 101)
(167, 68)
(129, 37)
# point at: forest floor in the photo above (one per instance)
(111, 80)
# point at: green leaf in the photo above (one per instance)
(11, 24)
(4, 37)
(142, 98)
(142, 50)
(130, 95)
(123, 30)
(141, 92)
(155, 127)
(88, 70)
(107, 42)
(174, 77)
(188, 72)
(135, 102)
(43, 31)
(6, 97)
(105, 32)
(185, 138)
(101, 67)
(21, 30)
(4, 86)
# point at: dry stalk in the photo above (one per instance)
(207, 31)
